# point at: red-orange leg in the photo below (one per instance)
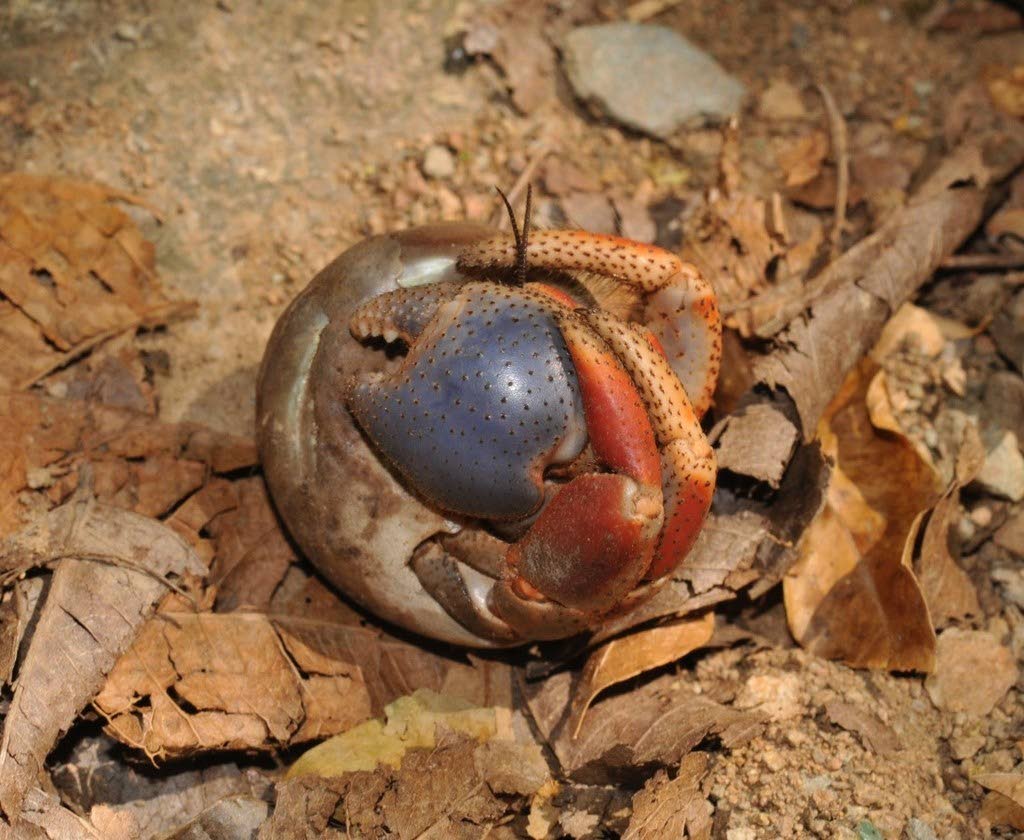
(594, 541)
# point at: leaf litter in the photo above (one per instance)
(240, 647)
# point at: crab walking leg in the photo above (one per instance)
(681, 307)
(688, 461)
(593, 542)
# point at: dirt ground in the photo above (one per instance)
(269, 137)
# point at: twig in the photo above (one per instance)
(840, 151)
(499, 219)
(933, 17)
(646, 9)
(982, 262)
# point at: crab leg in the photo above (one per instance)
(681, 307)
(688, 461)
(594, 540)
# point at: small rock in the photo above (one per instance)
(981, 516)
(635, 220)
(777, 695)
(972, 672)
(1003, 406)
(589, 211)
(648, 77)
(438, 162)
(1011, 534)
(919, 830)
(781, 101)
(1002, 474)
(965, 746)
(128, 32)
(744, 833)
(1011, 582)
(1007, 329)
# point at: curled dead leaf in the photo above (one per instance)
(112, 568)
(626, 657)
(853, 596)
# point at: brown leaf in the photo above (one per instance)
(1006, 87)
(972, 672)
(853, 595)
(135, 462)
(1005, 805)
(946, 587)
(802, 159)
(95, 774)
(74, 270)
(673, 808)
(218, 681)
(625, 657)
(513, 35)
(757, 441)
(875, 734)
(92, 611)
(625, 735)
(443, 792)
(854, 297)
(252, 552)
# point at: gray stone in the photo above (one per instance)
(1002, 474)
(649, 77)
(1003, 408)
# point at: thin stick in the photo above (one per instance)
(524, 180)
(982, 262)
(646, 9)
(840, 151)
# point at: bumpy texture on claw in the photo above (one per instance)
(485, 400)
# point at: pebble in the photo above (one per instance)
(781, 101)
(1002, 474)
(919, 830)
(438, 162)
(128, 32)
(649, 78)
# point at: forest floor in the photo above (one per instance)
(264, 139)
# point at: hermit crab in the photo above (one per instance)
(490, 438)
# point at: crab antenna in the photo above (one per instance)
(519, 234)
(511, 218)
(524, 238)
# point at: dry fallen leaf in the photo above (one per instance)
(625, 657)
(246, 680)
(802, 159)
(111, 572)
(624, 736)
(513, 35)
(1006, 87)
(134, 462)
(452, 790)
(674, 808)
(93, 774)
(1005, 804)
(74, 271)
(413, 722)
(853, 595)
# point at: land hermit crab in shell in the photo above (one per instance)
(491, 438)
